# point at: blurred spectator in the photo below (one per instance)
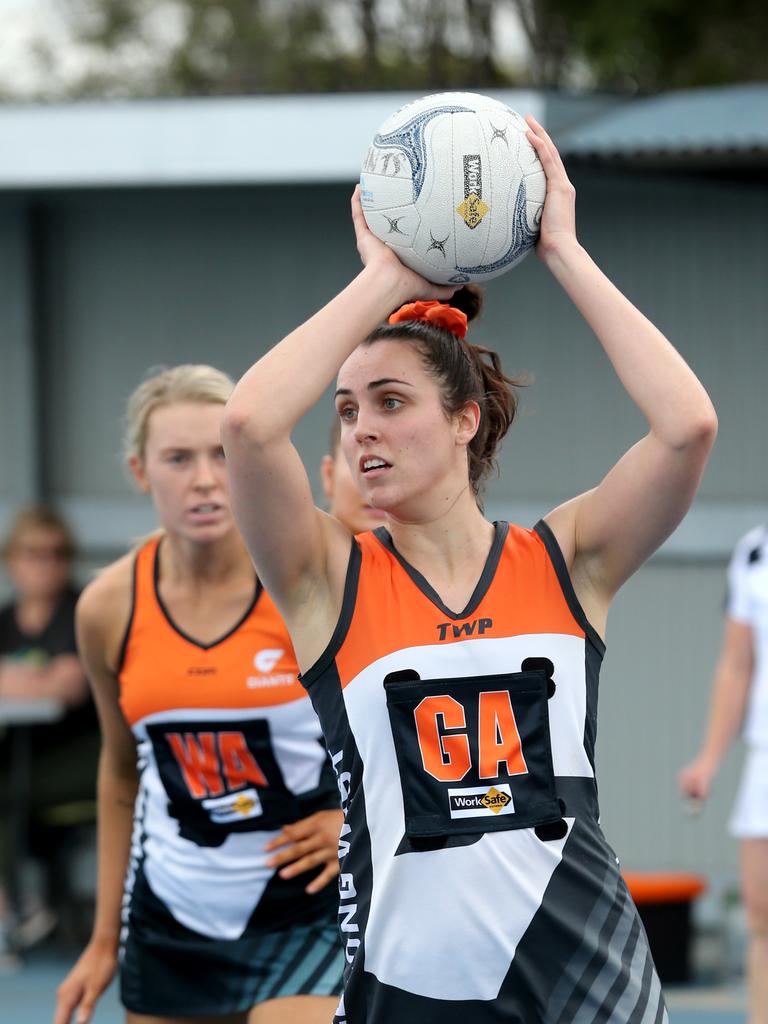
(38, 661)
(344, 499)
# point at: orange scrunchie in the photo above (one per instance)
(435, 313)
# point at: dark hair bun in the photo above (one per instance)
(469, 299)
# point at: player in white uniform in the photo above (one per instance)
(740, 701)
(475, 882)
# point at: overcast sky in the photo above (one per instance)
(21, 21)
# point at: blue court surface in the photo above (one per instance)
(710, 1004)
(29, 996)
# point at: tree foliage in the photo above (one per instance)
(228, 47)
(646, 45)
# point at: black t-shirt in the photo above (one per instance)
(58, 637)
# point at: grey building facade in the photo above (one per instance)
(138, 235)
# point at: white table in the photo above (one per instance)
(29, 712)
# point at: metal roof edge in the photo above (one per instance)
(206, 141)
(686, 123)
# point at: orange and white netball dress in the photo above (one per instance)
(476, 884)
(229, 751)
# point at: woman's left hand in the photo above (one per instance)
(558, 219)
(373, 251)
(305, 844)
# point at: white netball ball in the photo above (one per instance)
(453, 185)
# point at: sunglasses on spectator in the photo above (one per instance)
(42, 552)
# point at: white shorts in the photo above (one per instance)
(750, 815)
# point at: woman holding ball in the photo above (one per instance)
(453, 662)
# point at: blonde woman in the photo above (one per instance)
(454, 662)
(213, 775)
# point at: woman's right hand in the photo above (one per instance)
(84, 984)
(695, 780)
(558, 218)
(373, 251)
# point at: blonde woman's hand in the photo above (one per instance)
(307, 843)
(374, 252)
(82, 987)
(558, 218)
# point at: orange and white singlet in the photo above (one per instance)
(229, 751)
(476, 884)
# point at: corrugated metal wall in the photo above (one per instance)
(134, 279)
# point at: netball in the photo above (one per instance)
(453, 185)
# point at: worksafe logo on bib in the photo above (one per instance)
(233, 807)
(480, 802)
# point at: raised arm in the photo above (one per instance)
(608, 532)
(296, 548)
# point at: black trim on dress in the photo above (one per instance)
(177, 629)
(129, 624)
(501, 529)
(344, 621)
(558, 562)
(758, 550)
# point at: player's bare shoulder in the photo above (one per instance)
(562, 523)
(338, 540)
(104, 611)
(314, 612)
